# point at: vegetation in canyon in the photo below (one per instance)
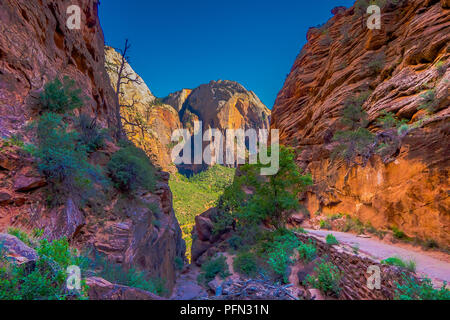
(196, 194)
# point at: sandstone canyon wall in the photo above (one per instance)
(398, 65)
(35, 47)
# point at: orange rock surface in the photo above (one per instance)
(398, 64)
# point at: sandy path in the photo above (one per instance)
(425, 264)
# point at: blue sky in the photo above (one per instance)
(182, 44)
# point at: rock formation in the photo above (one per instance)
(149, 123)
(35, 47)
(399, 65)
(219, 105)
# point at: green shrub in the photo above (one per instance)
(213, 267)
(274, 197)
(331, 239)
(21, 235)
(179, 263)
(412, 289)
(277, 249)
(62, 160)
(130, 169)
(235, 242)
(14, 140)
(130, 277)
(353, 224)
(90, 133)
(246, 263)
(441, 68)
(325, 224)
(327, 278)
(429, 101)
(376, 64)
(61, 97)
(388, 120)
(397, 261)
(399, 234)
(307, 252)
(47, 281)
(356, 140)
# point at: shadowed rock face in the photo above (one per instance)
(36, 46)
(398, 63)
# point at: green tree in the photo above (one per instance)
(61, 97)
(275, 196)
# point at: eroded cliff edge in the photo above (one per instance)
(398, 65)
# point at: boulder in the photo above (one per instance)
(65, 221)
(15, 250)
(101, 289)
(24, 183)
(5, 196)
(198, 248)
(204, 228)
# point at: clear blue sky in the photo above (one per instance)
(181, 44)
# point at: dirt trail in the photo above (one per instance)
(434, 268)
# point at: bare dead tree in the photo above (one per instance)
(124, 77)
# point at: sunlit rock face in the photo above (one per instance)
(398, 64)
(156, 121)
(220, 105)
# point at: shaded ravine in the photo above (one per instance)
(425, 265)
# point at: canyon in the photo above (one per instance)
(402, 69)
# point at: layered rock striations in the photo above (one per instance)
(401, 66)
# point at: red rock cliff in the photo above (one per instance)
(35, 47)
(398, 64)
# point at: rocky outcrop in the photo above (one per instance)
(36, 46)
(177, 99)
(224, 105)
(101, 289)
(15, 250)
(219, 105)
(148, 122)
(397, 65)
